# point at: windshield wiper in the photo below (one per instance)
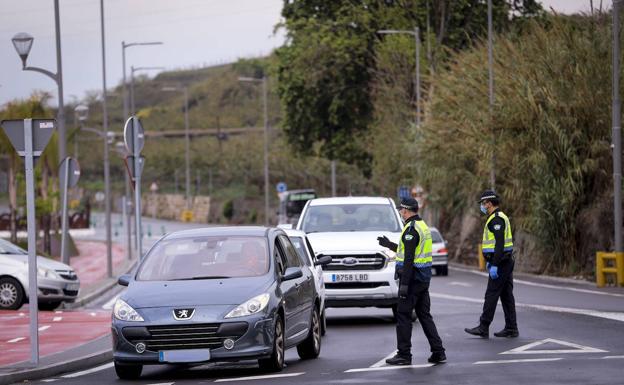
(202, 277)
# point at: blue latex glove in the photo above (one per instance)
(487, 266)
(493, 272)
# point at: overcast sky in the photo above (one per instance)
(195, 33)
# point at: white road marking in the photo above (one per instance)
(518, 361)
(58, 312)
(464, 284)
(18, 339)
(92, 314)
(382, 362)
(109, 305)
(617, 316)
(525, 349)
(44, 328)
(544, 285)
(22, 314)
(89, 371)
(388, 368)
(50, 380)
(611, 357)
(57, 319)
(251, 378)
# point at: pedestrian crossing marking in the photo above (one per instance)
(526, 349)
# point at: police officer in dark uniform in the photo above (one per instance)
(497, 247)
(413, 268)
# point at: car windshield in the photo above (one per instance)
(9, 248)
(436, 237)
(209, 257)
(350, 217)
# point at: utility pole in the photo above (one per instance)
(491, 92)
(617, 131)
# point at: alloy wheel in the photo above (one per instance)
(8, 294)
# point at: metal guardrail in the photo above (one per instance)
(609, 264)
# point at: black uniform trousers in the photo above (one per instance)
(501, 287)
(417, 299)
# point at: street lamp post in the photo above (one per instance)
(23, 43)
(266, 142)
(187, 143)
(491, 92)
(617, 131)
(82, 113)
(132, 71)
(416, 34)
(125, 45)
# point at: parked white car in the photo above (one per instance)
(304, 248)
(57, 282)
(439, 252)
(361, 273)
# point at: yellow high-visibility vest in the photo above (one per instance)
(488, 243)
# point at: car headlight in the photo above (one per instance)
(47, 273)
(124, 312)
(253, 306)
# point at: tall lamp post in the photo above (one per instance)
(82, 113)
(132, 71)
(187, 142)
(23, 43)
(416, 34)
(491, 91)
(125, 45)
(266, 142)
(617, 131)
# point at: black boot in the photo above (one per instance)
(480, 331)
(437, 357)
(399, 360)
(509, 333)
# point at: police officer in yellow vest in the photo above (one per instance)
(497, 247)
(413, 268)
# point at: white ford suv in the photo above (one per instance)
(361, 273)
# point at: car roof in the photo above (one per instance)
(294, 233)
(252, 231)
(351, 200)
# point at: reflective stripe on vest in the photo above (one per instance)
(422, 254)
(488, 243)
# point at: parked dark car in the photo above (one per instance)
(217, 294)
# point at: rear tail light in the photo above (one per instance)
(443, 250)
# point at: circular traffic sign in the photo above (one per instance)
(281, 187)
(72, 172)
(133, 130)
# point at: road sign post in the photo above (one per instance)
(69, 173)
(29, 137)
(135, 140)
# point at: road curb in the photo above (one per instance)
(58, 367)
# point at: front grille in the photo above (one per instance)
(356, 262)
(71, 276)
(49, 291)
(355, 285)
(189, 336)
(71, 293)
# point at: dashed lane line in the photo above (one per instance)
(14, 340)
(371, 369)
(616, 316)
(252, 378)
(44, 328)
(544, 285)
(57, 319)
(611, 357)
(518, 361)
(89, 371)
(463, 284)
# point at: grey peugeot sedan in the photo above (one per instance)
(216, 294)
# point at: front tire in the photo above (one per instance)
(11, 294)
(442, 271)
(128, 371)
(311, 346)
(275, 363)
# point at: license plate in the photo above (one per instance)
(72, 286)
(186, 355)
(349, 277)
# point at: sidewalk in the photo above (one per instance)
(69, 339)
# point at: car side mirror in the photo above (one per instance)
(124, 280)
(322, 260)
(292, 273)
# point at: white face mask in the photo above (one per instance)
(483, 208)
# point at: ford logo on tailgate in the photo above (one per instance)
(349, 261)
(183, 314)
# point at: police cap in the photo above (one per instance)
(488, 195)
(409, 204)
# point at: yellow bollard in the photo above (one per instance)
(481, 259)
(187, 216)
(609, 263)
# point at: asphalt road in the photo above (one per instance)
(569, 334)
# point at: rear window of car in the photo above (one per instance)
(436, 237)
(205, 258)
(350, 217)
